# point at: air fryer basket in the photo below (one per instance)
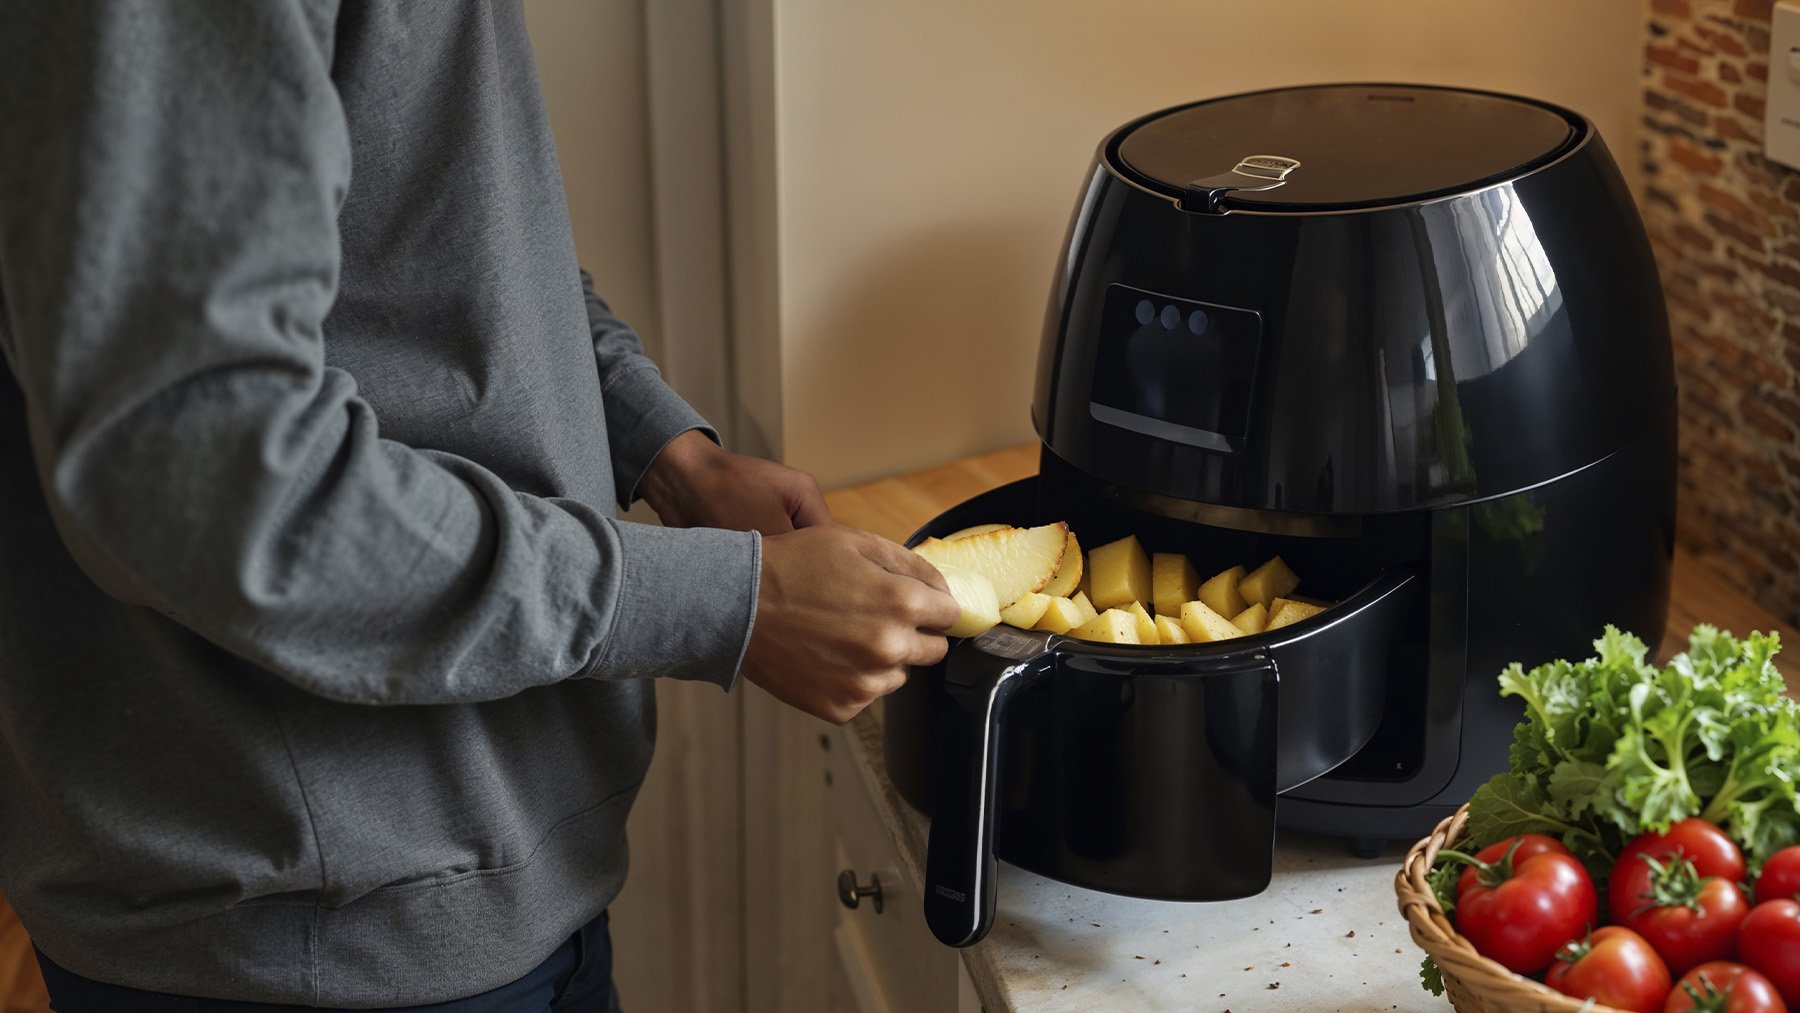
(1145, 771)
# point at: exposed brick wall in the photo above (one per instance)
(1726, 226)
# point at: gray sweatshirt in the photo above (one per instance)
(324, 663)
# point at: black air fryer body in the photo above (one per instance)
(1409, 338)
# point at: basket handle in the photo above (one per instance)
(979, 678)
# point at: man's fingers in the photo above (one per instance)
(928, 650)
(897, 559)
(934, 610)
(930, 607)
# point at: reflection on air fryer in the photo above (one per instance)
(1038, 579)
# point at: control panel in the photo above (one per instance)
(1176, 369)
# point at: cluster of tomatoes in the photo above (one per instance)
(1685, 932)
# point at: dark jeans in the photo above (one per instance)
(576, 979)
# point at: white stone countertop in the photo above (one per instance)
(1326, 935)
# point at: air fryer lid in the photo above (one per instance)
(1358, 145)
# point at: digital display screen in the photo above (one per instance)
(1175, 369)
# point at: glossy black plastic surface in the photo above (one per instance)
(959, 864)
(1358, 145)
(1471, 394)
(1524, 578)
(1411, 356)
(1142, 770)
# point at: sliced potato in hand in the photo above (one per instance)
(1017, 561)
(975, 593)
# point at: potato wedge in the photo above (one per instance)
(1069, 574)
(1220, 592)
(1286, 612)
(1254, 619)
(1169, 631)
(975, 529)
(1268, 582)
(1017, 560)
(1173, 582)
(975, 593)
(1146, 626)
(1114, 626)
(1026, 612)
(1203, 625)
(1085, 607)
(1060, 616)
(1120, 573)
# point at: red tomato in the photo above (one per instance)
(1709, 848)
(1724, 987)
(1780, 876)
(1679, 891)
(1529, 845)
(1614, 967)
(1688, 935)
(1769, 941)
(1520, 913)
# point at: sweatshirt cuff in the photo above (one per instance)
(642, 416)
(686, 603)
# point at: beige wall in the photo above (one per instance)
(928, 153)
(590, 56)
(901, 174)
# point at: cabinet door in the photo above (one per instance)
(887, 960)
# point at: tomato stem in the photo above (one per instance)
(1576, 949)
(1488, 874)
(1706, 998)
(1676, 883)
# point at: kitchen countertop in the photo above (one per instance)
(1325, 936)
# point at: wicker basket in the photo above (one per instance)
(1474, 983)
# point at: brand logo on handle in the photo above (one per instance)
(955, 895)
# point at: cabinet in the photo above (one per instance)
(886, 960)
(750, 813)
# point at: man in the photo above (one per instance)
(324, 664)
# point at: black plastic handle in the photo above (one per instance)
(979, 677)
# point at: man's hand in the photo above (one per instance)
(694, 484)
(840, 615)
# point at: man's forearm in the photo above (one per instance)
(168, 215)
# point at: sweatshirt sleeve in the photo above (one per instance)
(169, 185)
(642, 413)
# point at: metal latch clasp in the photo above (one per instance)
(1252, 173)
